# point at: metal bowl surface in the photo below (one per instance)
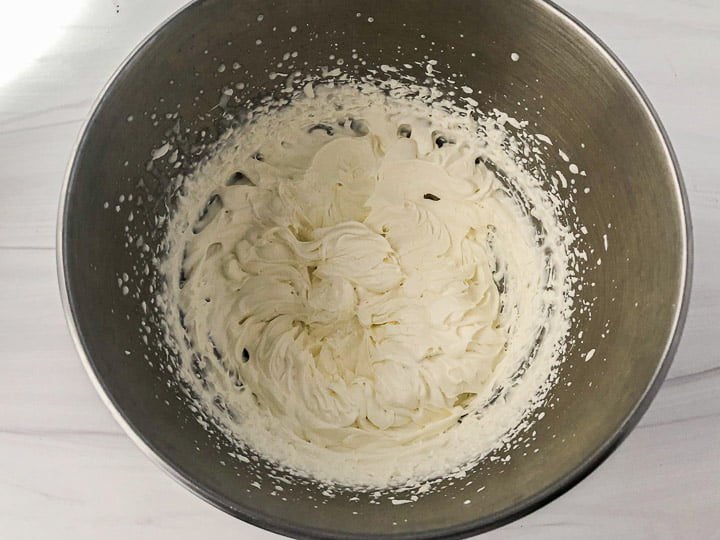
(574, 88)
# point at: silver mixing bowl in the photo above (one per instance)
(575, 90)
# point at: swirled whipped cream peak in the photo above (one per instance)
(355, 283)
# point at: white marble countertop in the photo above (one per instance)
(66, 468)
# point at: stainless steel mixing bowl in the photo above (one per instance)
(575, 90)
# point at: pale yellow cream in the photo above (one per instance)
(340, 276)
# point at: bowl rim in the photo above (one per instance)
(526, 506)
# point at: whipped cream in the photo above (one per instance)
(366, 289)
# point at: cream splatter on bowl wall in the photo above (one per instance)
(200, 76)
